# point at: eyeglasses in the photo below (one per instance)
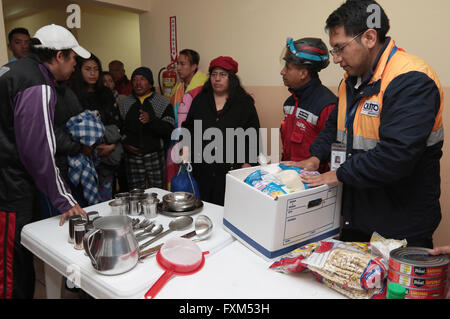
(219, 74)
(338, 51)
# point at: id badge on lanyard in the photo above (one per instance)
(338, 155)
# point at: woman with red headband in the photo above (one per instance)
(229, 129)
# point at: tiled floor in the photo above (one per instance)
(39, 290)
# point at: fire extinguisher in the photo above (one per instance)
(169, 79)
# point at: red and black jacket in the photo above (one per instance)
(305, 114)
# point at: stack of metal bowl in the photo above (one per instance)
(179, 201)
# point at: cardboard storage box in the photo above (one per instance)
(273, 227)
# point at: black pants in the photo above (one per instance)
(211, 184)
(349, 235)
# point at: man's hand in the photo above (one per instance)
(75, 210)
(104, 150)
(87, 150)
(328, 178)
(131, 149)
(144, 117)
(438, 251)
(311, 164)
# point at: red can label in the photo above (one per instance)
(412, 293)
(415, 271)
(437, 293)
(416, 282)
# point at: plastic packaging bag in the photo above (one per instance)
(291, 179)
(382, 247)
(184, 182)
(267, 183)
(347, 265)
(348, 268)
(299, 171)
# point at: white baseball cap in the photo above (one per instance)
(56, 37)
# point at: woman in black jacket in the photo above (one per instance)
(93, 95)
(227, 112)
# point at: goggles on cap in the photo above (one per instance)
(302, 55)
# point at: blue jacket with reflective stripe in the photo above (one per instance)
(393, 188)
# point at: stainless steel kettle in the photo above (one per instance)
(111, 245)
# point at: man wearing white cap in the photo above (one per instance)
(27, 149)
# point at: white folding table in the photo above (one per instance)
(231, 270)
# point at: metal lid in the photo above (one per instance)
(80, 226)
(112, 222)
(417, 256)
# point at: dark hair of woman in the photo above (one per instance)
(101, 98)
(79, 85)
(235, 89)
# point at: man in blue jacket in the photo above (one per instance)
(27, 149)
(388, 123)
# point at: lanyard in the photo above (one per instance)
(353, 111)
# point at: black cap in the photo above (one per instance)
(145, 72)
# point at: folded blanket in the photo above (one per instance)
(87, 129)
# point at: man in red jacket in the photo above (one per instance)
(308, 108)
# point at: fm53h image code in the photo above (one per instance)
(248, 308)
(227, 308)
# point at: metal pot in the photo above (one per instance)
(179, 201)
(111, 245)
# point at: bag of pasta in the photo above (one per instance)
(348, 268)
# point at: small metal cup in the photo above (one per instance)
(152, 195)
(135, 204)
(120, 207)
(91, 216)
(72, 220)
(149, 207)
(136, 191)
(122, 195)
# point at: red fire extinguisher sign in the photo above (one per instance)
(173, 39)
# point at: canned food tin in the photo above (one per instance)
(416, 262)
(416, 282)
